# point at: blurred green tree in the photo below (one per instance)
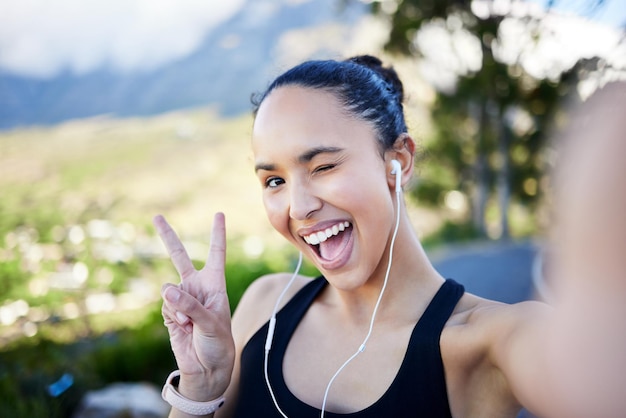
(492, 119)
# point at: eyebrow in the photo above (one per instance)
(313, 152)
(302, 158)
(263, 166)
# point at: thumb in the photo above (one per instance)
(171, 295)
(185, 308)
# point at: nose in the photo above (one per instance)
(302, 201)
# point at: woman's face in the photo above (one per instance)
(325, 184)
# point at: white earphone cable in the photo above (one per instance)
(270, 335)
(380, 298)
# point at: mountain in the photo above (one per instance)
(234, 61)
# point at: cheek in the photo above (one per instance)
(277, 213)
(364, 194)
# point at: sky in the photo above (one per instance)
(612, 13)
(42, 38)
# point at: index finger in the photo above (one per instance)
(175, 249)
(217, 250)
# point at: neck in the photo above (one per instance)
(412, 279)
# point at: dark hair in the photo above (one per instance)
(366, 89)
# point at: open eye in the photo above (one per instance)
(273, 182)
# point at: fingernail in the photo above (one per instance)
(182, 318)
(172, 294)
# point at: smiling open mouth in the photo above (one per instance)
(329, 243)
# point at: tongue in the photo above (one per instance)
(333, 246)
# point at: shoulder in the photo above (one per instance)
(503, 324)
(495, 344)
(491, 325)
(480, 312)
(473, 313)
(258, 301)
(513, 331)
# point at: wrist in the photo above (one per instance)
(199, 388)
(182, 401)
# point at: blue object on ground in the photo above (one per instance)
(64, 383)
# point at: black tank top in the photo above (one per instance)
(418, 390)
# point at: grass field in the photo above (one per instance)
(186, 165)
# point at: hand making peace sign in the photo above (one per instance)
(197, 314)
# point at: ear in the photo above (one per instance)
(403, 151)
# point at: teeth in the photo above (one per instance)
(321, 236)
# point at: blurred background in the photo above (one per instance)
(113, 111)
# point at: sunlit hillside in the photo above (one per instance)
(185, 165)
(78, 199)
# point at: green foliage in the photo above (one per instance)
(18, 400)
(11, 276)
(25, 373)
(29, 367)
(22, 208)
(478, 149)
(141, 354)
(410, 15)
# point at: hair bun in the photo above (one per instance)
(386, 73)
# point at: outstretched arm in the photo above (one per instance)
(571, 361)
(197, 316)
(588, 346)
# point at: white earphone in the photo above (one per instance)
(397, 170)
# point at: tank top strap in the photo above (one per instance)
(291, 314)
(289, 317)
(422, 377)
(441, 307)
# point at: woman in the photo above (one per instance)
(382, 333)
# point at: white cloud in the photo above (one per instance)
(545, 46)
(41, 38)
(554, 44)
(449, 51)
